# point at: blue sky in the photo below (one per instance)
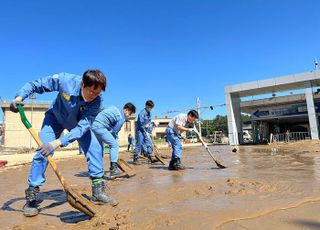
(170, 51)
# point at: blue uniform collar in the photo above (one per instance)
(147, 111)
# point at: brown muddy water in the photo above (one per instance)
(257, 182)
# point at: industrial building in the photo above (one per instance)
(294, 115)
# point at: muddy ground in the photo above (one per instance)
(263, 187)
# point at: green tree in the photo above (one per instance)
(245, 117)
(219, 123)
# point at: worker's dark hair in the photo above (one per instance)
(150, 103)
(193, 113)
(94, 77)
(129, 106)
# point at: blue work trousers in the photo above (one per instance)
(174, 140)
(105, 137)
(142, 138)
(52, 130)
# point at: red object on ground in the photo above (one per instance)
(3, 163)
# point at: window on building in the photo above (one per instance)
(163, 124)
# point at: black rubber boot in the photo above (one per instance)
(114, 170)
(151, 159)
(179, 165)
(135, 160)
(99, 194)
(176, 164)
(31, 207)
(172, 164)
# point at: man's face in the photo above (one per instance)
(90, 93)
(191, 119)
(127, 113)
(149, 108)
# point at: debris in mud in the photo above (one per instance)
(248, 187)
(112, 219)
(123, 219)
(161, 221)
(192, 190)
(204, 190)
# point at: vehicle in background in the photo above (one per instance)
(246, 136)
(216, 137)
(192, 139)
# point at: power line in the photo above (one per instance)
(200, 109)
(211, 107)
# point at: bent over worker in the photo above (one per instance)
(106, 127)
(176, 126)
(75, 107)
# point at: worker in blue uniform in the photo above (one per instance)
(130, 142)
(143, 123)
(75, 107)
(106, 127)
(144, 147)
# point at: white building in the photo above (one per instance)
(270, 114)
(161, 124)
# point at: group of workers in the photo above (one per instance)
(78, 108)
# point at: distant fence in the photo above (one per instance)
(289, 137)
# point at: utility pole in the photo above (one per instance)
(316, 64)
(198, 110)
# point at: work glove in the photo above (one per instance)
(148, 135)
(205, 145)
(14, 106)
(46, 149)
(192, 130)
